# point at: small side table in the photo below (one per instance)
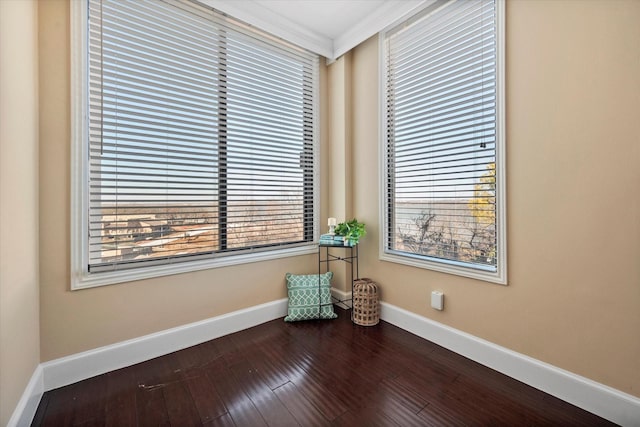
(349, 254)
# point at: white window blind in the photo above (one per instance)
(201, 136)
(440, 136)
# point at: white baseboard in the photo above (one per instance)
(607, 402)
(28, 404)
(80, 366)
(343, 298)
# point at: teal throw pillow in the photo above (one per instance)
(309, 298)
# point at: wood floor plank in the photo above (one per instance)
(339, 377)
(93, 422)
(181, 408)
(302, 409)
(120, 410)
(90, 400)
(150, 408)
(394, 407)
(252, 353)
(239, 406)
(314, 373)
(213, 350)
(292, 362)
(264, 399)
(206, 398)
(363, 417)
(59, 410)
(156, 373)
(272, 376)
(231, 353)
(405, 396)
(189, 360)
(428, 382)
(222, 421)
(437, 416)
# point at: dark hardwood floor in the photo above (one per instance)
(316, 373)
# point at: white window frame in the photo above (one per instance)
(80, 276)
(446, 266)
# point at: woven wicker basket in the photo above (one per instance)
(366, 310)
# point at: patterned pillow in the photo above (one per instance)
(307, 300)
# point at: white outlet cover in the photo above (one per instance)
(437, 300)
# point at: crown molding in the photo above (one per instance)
(269, 21)
(391, 12)
(265, 19)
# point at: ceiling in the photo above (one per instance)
(327, 27)
(328, 18)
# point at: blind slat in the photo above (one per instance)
(441, 134)
(201, 136)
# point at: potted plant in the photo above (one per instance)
(352, 231)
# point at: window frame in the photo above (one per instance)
(430, 263)
(81, 278)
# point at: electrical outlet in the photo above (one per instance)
(437, 300)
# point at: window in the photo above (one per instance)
(443, 140)
(195, 141)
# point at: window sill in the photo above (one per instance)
(450, 267)
(84, 280)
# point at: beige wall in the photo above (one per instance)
(573, 165)
(19, 327)
(81, 320)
